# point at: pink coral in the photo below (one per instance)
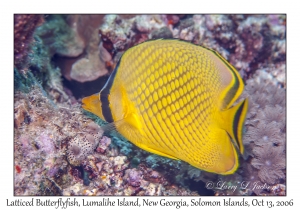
(45, 141)
(272, 114)
(134, 177)
(270, 161)
(263, 134)
(103, 144)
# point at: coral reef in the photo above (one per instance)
(24, 27)
(69, 43)
(77, 45)
(59, 149)
(270, 164)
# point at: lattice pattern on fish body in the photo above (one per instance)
(173, 100)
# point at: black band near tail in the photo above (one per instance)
(106, 111)
(236, 122)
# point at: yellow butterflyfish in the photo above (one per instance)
(175, 99)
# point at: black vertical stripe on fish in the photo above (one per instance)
(106, 111)
(105, 108)
(236, 122)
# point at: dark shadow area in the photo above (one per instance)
(200, 188)
(81, 90)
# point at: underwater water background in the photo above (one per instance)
(59, 59)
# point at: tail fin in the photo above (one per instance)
(234, 126)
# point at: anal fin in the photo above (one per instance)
(148, 149)
(132, 128)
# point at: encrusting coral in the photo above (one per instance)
(54, 132)
(84, 143)
(24, 27)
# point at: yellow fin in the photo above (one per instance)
(132, 129)
(234, 119)
(93, 104)
(218, 155)
(225, 156)
(148, 149)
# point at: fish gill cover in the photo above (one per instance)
(60, 149)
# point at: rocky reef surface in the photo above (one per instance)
(59, 149)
